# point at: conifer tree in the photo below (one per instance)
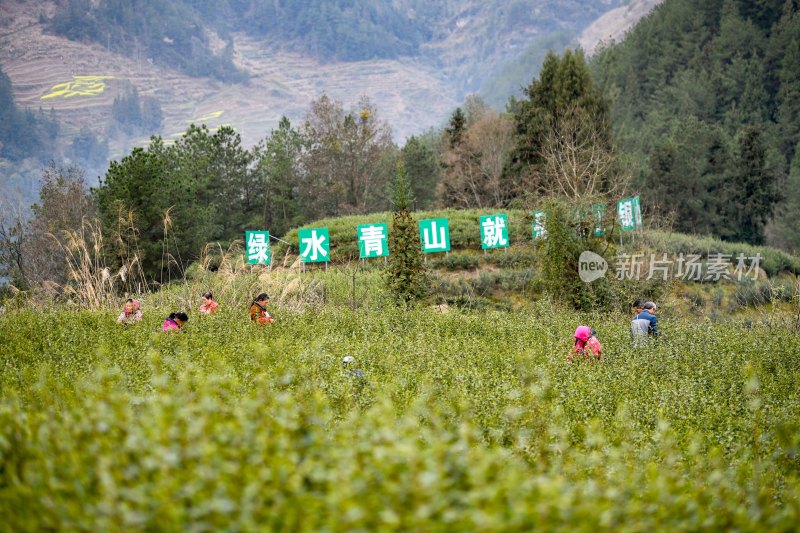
(405, 275)
(788, 215)
(754, 194)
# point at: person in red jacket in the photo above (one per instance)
(209, 306)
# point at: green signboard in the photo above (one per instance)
(257, 244)
(637, 212)
(494, 231)
(373, 240)
(539, 225)
(599, 211)
(434, 233)
(629, 212)
(315, 245)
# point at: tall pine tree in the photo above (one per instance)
(752, 193)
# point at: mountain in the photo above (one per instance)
(438, 55)
(246, 63)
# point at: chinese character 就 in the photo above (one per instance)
(493, 232)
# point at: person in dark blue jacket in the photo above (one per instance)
(649, 310)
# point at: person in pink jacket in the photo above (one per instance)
(586, 344)
(175, 321)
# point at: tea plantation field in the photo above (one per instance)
(455, 422)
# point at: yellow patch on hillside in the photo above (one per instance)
(207, 117)
(79, 86)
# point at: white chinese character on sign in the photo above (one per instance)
(659, 265)
(493, 232)
(314, 246)
(539, 225)
(431, 241)
(629, 266)
(626, 215)
(755, 263)
(689, 268)
(257, 247)
(373, 238)
(717, 267)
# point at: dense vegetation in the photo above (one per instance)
(23, 133)
(461, 421)
(171, 33)
(704, 100)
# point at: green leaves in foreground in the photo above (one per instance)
(461, 422)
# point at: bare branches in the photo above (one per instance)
(473, 167)
(578, 162)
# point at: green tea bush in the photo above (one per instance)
(455, 261)
(461, 421)
(749, 293)
(773, 261)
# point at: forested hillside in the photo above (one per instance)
(198, 38)
(705, 101)
(23, 133)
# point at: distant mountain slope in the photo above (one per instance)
(510, 77)
(464, 42)
(416, 60)
(453, 34)
(614, 24)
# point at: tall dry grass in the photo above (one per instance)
(91, 282)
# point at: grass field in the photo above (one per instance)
(462, 421)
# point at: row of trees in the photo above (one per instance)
(136, 115)
(163, 203)
(207, 187)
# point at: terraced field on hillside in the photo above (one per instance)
(281, 84)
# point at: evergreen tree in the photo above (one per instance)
(789, 99)
(405, 274)
(685, 178)
(788, 213)
(278, 166)
(753, 193)
(20, 132)
(87, 150)
(563, 96)
(138, 184)
(455, 128)
(422, 168)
